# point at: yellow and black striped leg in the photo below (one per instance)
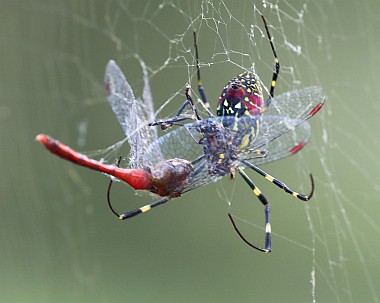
(268, 236)
(276, 64)
(280, 184)
(135, 212)
(200, 86)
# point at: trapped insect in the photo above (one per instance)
(247, 131)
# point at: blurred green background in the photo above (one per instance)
(59, 241)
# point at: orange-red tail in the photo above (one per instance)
(138, 179)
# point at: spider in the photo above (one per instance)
(224, 139)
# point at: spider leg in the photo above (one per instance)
(199, 82)
(268, 235)
(147, 207)
(165, 124)
(276, 63)
(281, 184)
(135, 212)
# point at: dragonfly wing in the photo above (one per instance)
(297, 104)
(283, 130)
(179, 143)
(146, 107)
(129, 112)
(280, 142)
(183, 143)
(147, 97)
(121, 98)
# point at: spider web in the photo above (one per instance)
(327, 248)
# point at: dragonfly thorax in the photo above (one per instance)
(170, 177)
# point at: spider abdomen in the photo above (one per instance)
(243, 95)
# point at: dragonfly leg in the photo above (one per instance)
(268, 235)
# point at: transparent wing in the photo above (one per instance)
(147, 99)
(283, 132)
(183, 143)
(130, 112)
(292, 139)
(288, 111)
(297, 104)
(289, 143)
(179, 143)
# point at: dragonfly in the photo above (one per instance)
(246, 133)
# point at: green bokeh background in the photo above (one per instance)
(60, 243)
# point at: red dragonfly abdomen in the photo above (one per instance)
(167, 178)
(138, 179)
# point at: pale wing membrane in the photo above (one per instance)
(147, 96)
(285, 115)
(274, 127)
(279, 142)
(282, 128)
(296, 104)
(129, 112)
(284, 145)
(179, 143)
(147, 104)
(278, 135)
(182, 143)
